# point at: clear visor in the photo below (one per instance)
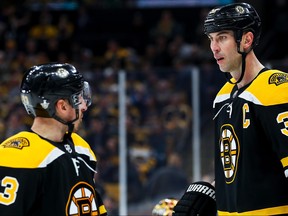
(85, 95)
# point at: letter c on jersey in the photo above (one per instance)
(246, 121)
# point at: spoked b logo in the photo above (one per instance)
(229, 152)
(82, 200)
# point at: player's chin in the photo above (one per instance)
(222, 68)
(77, 125)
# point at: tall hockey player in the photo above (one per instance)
(50, 169)
(251, 118)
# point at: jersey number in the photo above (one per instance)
(283, 118)
(11, 186)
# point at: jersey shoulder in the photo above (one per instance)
(224, 93)
(82, 147)
(27, 150)
(269, 88)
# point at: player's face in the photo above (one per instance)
(224, 48)
(82, 108)
(70, 113)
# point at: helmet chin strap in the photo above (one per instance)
(70, 123)
(238, 36)
(243, 69)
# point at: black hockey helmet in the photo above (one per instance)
(43, 85)
(239, 17)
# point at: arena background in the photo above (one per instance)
(157, 45)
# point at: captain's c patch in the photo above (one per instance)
(18, 143)
(278, 78)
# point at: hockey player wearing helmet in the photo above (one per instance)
(251, 118)
(251, 121)
(50, 169)
(241, 22)
(44, 85)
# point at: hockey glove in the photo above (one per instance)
(198, 200)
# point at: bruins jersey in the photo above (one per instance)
(251, 155)
(38, 177)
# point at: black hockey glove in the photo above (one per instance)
(198, 200)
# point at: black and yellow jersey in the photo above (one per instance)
(38, 177)
(251, 155)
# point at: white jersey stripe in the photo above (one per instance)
(250, 97)
(53, 155)
(85, 151)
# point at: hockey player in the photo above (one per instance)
(251, 119)
(50, 169)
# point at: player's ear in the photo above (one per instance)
(61, 106)
(247, 39)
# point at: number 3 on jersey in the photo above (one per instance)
(11, 185)
(283, 118)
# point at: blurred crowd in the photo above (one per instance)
(158, 59)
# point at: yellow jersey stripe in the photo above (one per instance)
(262, 212)
(53, 155)
(258, 93)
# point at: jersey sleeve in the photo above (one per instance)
(275, 123)
(21, 173)
(272, 101)
(20, 191)
(102, 209)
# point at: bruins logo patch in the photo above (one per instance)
(18, 143)
(82, 200)
(229, 152)
(278, 78)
